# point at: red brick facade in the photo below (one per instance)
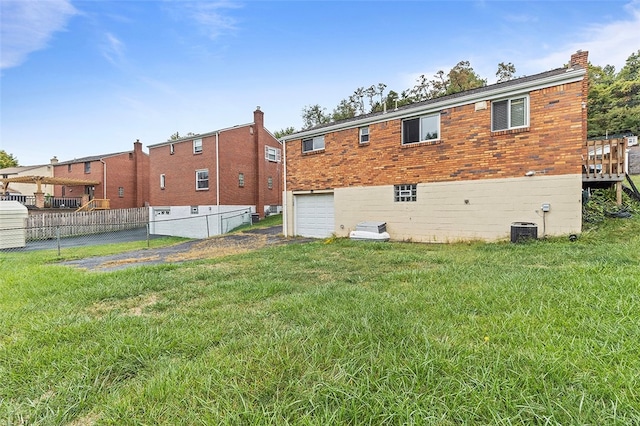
(240, 150)
(467, 148)
(125, 176)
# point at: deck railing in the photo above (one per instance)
(49, 202)
(604, 159)
(95, 204)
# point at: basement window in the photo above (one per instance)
(406, 192)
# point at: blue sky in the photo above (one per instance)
(82, 78)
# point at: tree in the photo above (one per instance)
(505, 72)
(462, 77)
(284, 132)
(7, 160)
(614, 99)
(314, 115)
(176, 136)
(345, 109)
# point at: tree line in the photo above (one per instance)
(613, 107)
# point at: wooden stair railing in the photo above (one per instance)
(95, 204)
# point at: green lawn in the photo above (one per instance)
(331, 332)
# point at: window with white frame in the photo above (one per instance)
(197, 146)
(407, 192)
(364, 135)
(162, 181)
(313, 144)
(421, 129)
(272, 154)
(510, 113)
(202, 179)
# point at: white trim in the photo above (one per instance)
(569, 76)
(198, 171)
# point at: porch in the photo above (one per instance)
(604, 164)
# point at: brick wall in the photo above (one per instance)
(467, 149)
(240, 150)
(77, 171)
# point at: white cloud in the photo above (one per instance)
(113, 49)
(211, 16)
(28, 25)
(607, 43)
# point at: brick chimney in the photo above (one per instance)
(580, 58)
(258, 126)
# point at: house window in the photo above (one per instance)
(364, 135)
(172, 149)
(162, 181)
(202, 179)
(272, 154)
(197, 146)
(405, 192)
(120, 192)
(241, 180)
(69, 168)
(510, 113)
(270, 182)
(313, 144)
(421, 129)
(87, 166)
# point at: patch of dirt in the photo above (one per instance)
(209, 248)
(133, 306)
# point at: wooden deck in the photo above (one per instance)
(604, 161)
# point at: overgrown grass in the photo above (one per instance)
(332, 332)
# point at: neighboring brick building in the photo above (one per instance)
(123, 177)
(235, 166)
(460, 167)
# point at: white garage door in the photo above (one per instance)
(314, 215)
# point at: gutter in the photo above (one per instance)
(569, 76)
(217, 172)
(104, 179)
(285, 225)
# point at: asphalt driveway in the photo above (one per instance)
(223, 245)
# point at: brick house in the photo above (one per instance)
(460, 167)
(123, 178)
(235, 166)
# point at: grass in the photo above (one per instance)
(331, 332)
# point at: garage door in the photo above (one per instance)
(314, 215)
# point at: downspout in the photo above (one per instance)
(217, 173)
(285, 225)
(104, 180)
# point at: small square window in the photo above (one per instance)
(364, 135)
(197, 146)
(120, 192)
(194, 209)
(241, 180)
(270, 182)
(404, 193)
